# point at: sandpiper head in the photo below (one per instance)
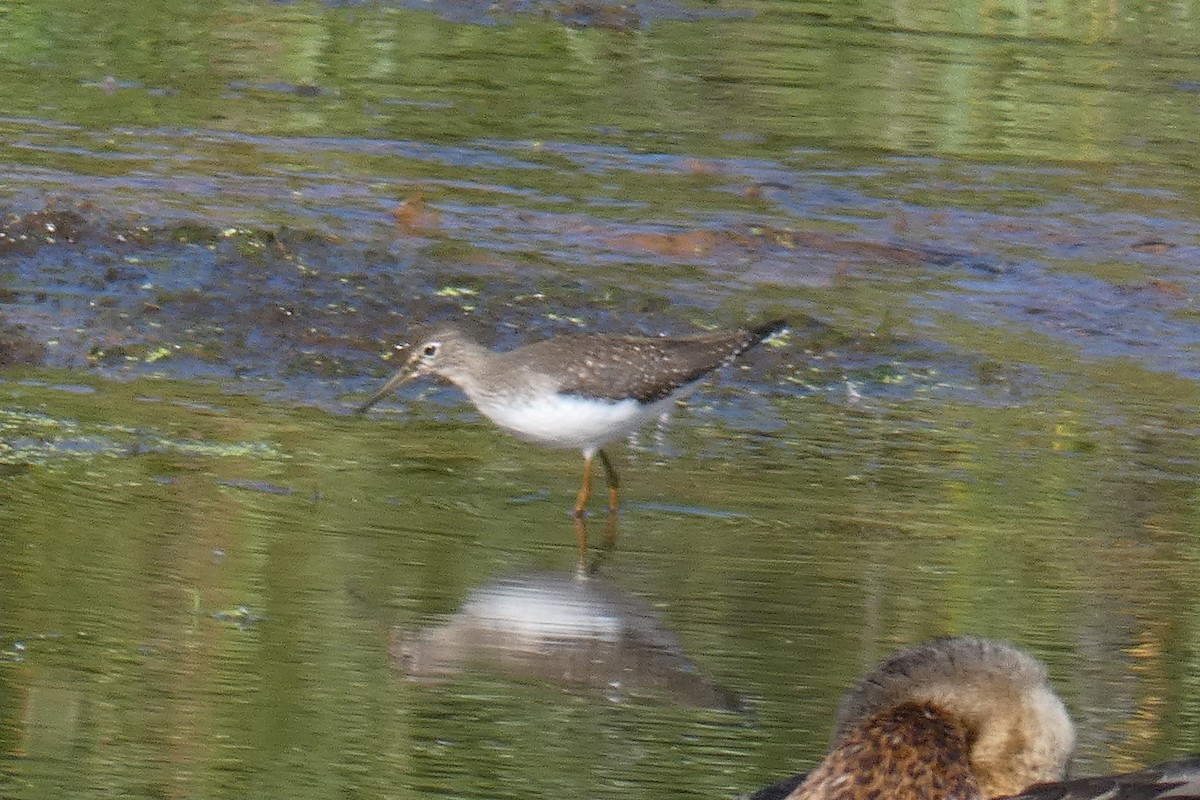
(1018, 732)
(437, 352)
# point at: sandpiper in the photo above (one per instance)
(576, 391)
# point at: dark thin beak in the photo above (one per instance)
(403, 376)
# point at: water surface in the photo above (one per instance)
(218, 221)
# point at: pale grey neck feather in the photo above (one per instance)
(461, 360)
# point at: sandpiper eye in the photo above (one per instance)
(429, 350)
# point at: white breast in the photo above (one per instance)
(565, 421)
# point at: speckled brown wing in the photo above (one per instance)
(910, 752)
(646, 369)
(1172, 780)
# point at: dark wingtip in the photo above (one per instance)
(766, 330)
(780, 790)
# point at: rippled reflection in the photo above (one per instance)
(575, 630)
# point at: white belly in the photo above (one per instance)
(572, 422)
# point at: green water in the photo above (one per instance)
(894, 526)
(980, 220)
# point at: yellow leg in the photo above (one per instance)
(614, 483)
(585, 490)
(581, 539)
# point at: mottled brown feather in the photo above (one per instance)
(913, 751)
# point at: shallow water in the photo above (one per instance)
(216, 582)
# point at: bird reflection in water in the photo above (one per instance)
(607, 545)
(578, 631)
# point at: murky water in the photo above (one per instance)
(216, 582)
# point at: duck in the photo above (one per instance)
(964, 718)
